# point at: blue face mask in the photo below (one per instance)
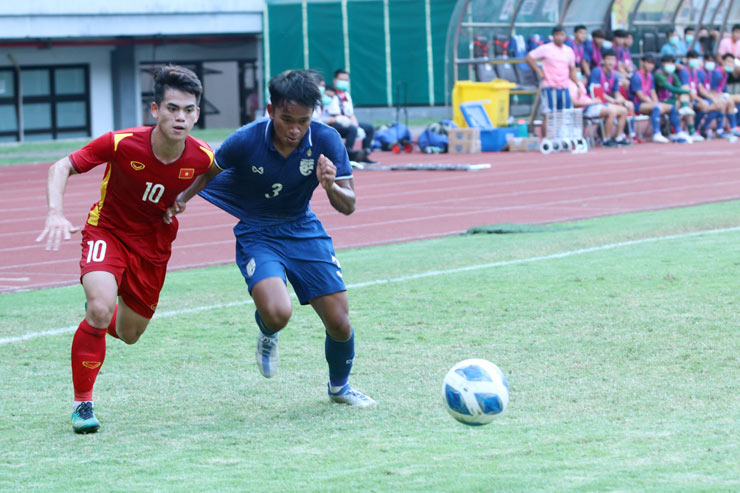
(673, 40)
(326, 100)
(710, 66)
(322, 89)
(669, 68)
(689, 39)
(342, 85)
(694, 63)
(729, 69)
(606, 44)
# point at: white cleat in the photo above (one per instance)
(686, 111)
(350, 396)
(660, 139)
(696, 137)
(267, 355)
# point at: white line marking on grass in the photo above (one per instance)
(421, 275)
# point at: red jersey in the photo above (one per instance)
(137, 187)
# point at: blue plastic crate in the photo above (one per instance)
(495, 139)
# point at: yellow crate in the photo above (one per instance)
(496, 91)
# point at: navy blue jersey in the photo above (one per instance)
(262, 188)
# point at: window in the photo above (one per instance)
(56, 102)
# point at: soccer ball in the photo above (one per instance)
(475, 391)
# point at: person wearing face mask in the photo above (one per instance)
(670, 91)
(674, 46)
(643, 95)
(707, 108)
(720, 84)
(343, 119)
(692, 43)
(716, 82)
(730, 44)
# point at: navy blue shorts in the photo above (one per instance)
(300, 252)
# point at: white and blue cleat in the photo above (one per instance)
(348, 395)
(267, 354)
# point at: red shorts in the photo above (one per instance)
(139, 280)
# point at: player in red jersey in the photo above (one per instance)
(126, 241)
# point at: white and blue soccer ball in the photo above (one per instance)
(475, 391)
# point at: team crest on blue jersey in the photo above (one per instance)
(306, 167)
(251, 266)
(259, 170)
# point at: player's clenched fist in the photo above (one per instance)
(326, 172)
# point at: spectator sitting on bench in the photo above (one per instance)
(607, 77)
(341, 116)
(730, 44)
(594, 108)
(709, 107)
(598, 43)
(674, 46)
(689, 36)
(624, 66)
(671, 91)
(579, 47)
(717, 86)
(642, 90)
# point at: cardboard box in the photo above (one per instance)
(523, 144)
(463, 140)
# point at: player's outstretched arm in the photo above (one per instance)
(57, 226)
(341, 193)
(182, 198)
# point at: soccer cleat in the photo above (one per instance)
(696, 137)
(350, 396)
(609, 143)
(686, 111)
(84, 420)
(267, 354)
(659, 138)
(680, 137)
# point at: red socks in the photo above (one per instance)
(112, 326)
(88, 354)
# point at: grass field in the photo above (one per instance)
(619, 337)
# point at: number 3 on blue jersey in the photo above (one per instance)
(276, 187)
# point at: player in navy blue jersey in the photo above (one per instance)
(271, 169)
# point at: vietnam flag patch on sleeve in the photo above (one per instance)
(186, 173)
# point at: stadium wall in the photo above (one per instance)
(382, 43)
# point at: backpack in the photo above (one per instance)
(434, 138)
(387, 135)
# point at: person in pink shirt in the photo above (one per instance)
(558, 61)
(731, 44)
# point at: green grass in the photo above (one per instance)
(50, 151)
(623, 365)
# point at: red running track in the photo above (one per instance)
(395, 206)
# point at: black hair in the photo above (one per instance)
(649, 58)
(607, 53)
(296, 86)
(689, 29)
(175, 77)
(736, 27)
(692, 54)
(578, 28)
(667, 58)
(340, 71)
(620, 33)
(558, 29)
(727, 55)
(598, 33)
(330, 87)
